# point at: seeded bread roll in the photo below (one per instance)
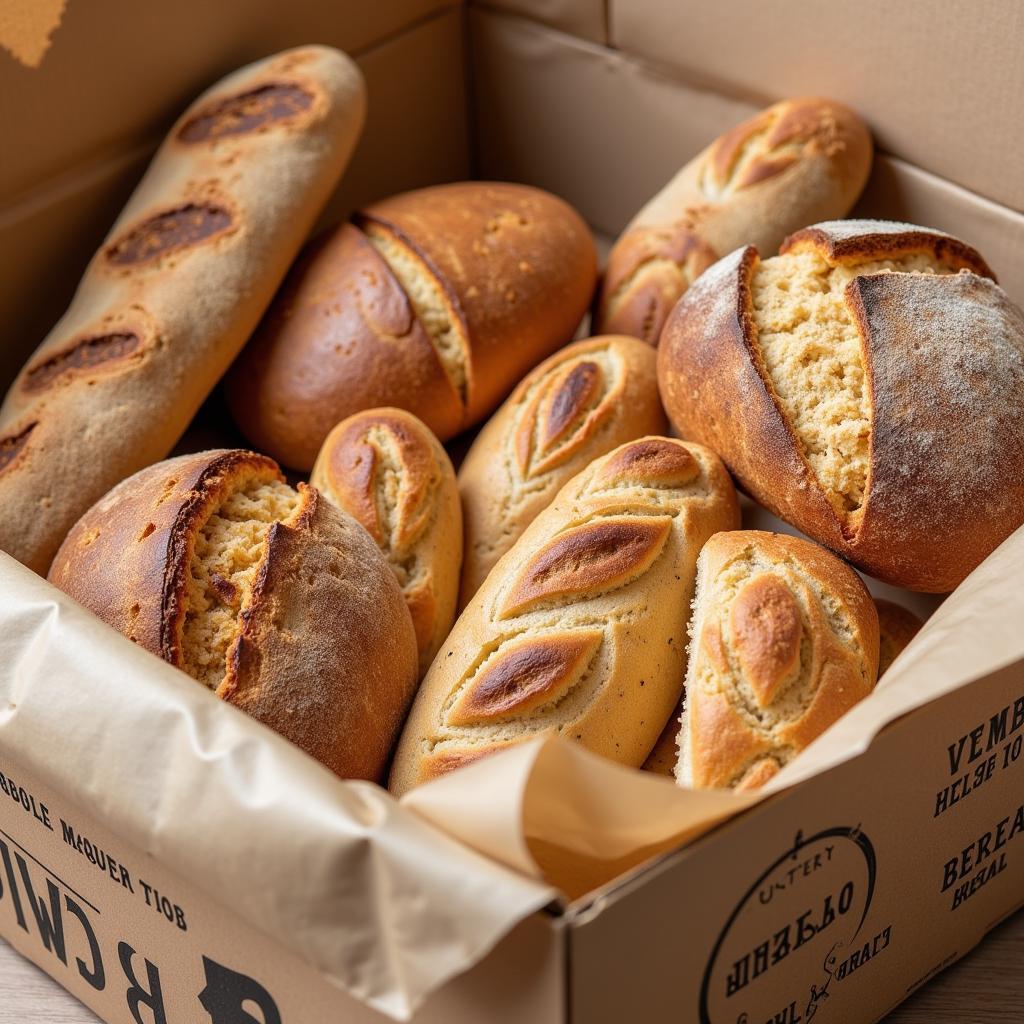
(896, 628)
(387, 470)
(175, 291)
(581, 403)
(272, 598)
(435, 301)
(580, 628)
(865, 386)
(785, 641)
(797, 162)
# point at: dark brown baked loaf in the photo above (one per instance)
(175, 291)
(867, 386)
(799, 161)
(272, 598)
(435, 301)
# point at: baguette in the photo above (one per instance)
(865, 386)
(799, 161)
(273, 599)
(785, 641)
(435, 301)
(387, 470)
(177, 287)
(581, 403)
(580, 628)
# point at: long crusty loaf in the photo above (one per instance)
(580, 628)
(581, 403)
(176, 289)
(865, 385)
(785, 641)
(435, 301)
(272, 598)
(799, 161)
(389, 472)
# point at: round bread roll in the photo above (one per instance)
(797, 162)
(270, 597)
(581, 403)
(896, 628)
(387, 470)
(580, 628)
(867, 386)
(435, 301)
(785, 641)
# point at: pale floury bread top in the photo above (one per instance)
(784, 642)
(275, 600)
(865, 385)
(386, 469)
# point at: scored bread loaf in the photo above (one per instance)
(580, 628)
(865, 386)
(584, 401)
(799, 161)
(784, 642)
(177, 287)
(387, 470)
(272, 598)
(435, 301)
(897, 626)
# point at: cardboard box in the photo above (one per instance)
(167, 859)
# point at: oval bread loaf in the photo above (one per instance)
(178, 286)
(866, 386)
(272, 598)
(799, 161)
(579, 404)
(897, 626)
(387, 470)
(435, 301)
(785, 641)
(580, 628)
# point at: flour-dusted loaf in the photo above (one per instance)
(897, 626)
(389, 472)
(799, 161)
(784, 642)
(435, 301)
(176, 289)
(867, 386)
(272, 598)
(581, 628)
(584, 401)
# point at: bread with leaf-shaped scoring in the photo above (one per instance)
(580, 629)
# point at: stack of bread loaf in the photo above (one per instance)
(585, 572)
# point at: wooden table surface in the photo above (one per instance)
(985, 987)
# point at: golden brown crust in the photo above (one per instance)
(175, 290)
(785, 642)
(799, 161)
(387, 470)
(942, 353)
(897, 626)
(325, 653)
(579, 404)
(579, 629)
(511, 268)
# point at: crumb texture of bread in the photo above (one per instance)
(229, 549)
(430, 303)
(814, 354)
(784, 642)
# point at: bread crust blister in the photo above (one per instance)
(580, 628)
